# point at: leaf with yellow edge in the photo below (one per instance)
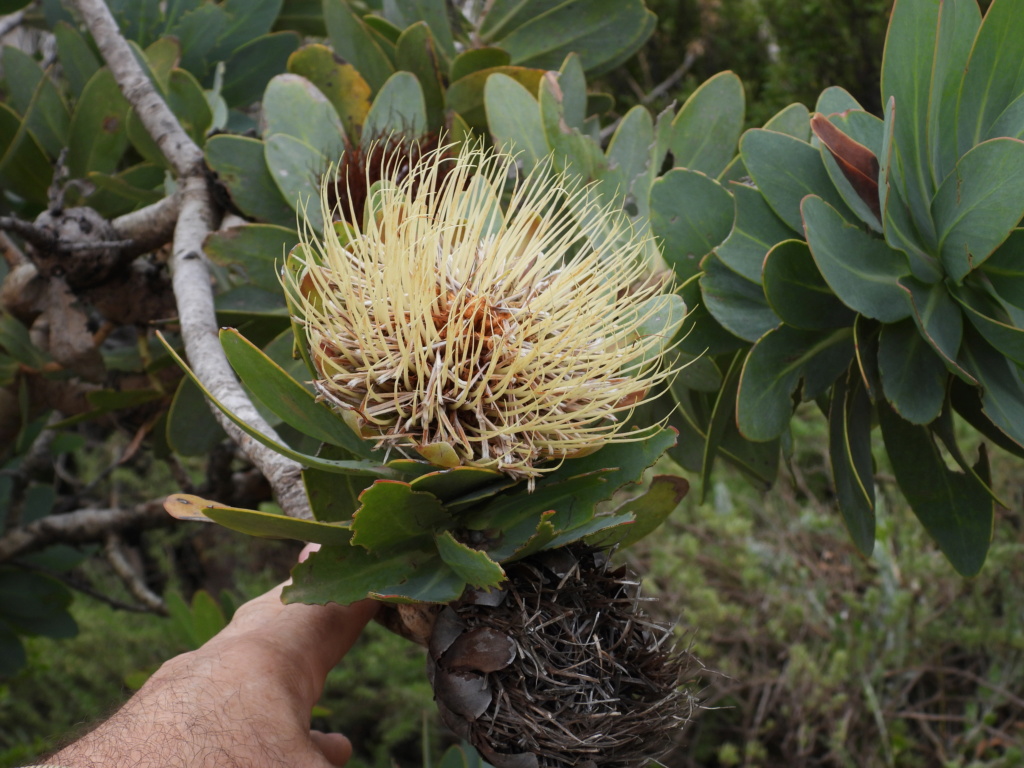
(185, 506)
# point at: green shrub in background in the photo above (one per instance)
(873, 267)
(783, 52)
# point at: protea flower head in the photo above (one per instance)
(473, 333)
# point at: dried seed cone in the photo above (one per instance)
(477, 333)
(561, 668)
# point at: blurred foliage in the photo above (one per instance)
(784, 52)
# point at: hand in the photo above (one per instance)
(243, 699)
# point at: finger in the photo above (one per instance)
(334, 746)
(321, 634)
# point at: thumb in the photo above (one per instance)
(336, 747)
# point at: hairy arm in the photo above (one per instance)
(242, 699)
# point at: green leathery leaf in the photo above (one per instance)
(475, 59)
(266, 525)
(860, 269)
(391, 515)
(649, 510)
(794, 120)
(286, 398)
(190, 429)
(907, 65)
(340, 82)
(938, 320)
(78, 61)
(295, 167)
(959, 21)
(849, 441)
(691, 214)
(621, 462)
(466, 95)
(356, 44)
(127, 190)
(584, 530)
(517, 519)
(662, 316)
(772, 372)
(1005, 269)
(898, 227)
(786, 170)
(37, 99)
(570, 147)
(24, 166)
(723, 412)
(629, 153)
(979, 204)
(163, 55)
(955, 508)
(471, 565)
(295, 107)
(835, 99)
(251, 66)
(701, 333)
(992, 322)
(257, 248)
(994, 77)
(967, 401)
(601, 32)
(708, 125)
(198, 29)
(798, 293)
(944, 428)
(738, 304)
(865, 344)
(1002, 399)
(15, 340)
(755, 231)
(513, 117)
(359, 468)
(399, 108)
(344, 574)
(432, 581)
(913, 375)
(416, 52)
(405, 13)
(332, 497)
(97, 137)
(240, 165)
(1010, 122)
(452, 484)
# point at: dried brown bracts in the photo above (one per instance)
(561, 668)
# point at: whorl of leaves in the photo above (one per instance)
(561, 668)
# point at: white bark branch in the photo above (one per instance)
(132, 580)
(150, 227)
(192, 289)
(83, 526)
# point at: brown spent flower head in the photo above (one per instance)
(561, 667)
(476, 336)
